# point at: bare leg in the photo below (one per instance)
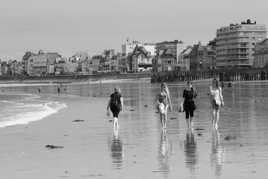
(188, 123)
(165, 121)
(165, 117)
(191, 122)
(213, 117)
(217, 118)
(116, 122)
(161, 119)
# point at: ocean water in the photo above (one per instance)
(139, 149)
(20, 108)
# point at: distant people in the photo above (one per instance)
(39, 90)
(189, 93)
(163, 104)
(115, 104)
(58, 90)
(217, 102)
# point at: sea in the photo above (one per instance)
(141, 149)
(18, 107)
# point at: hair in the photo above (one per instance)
(188, 82)
(216, 82)
(117, 89)
(166, 87)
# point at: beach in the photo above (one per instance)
(88, 147)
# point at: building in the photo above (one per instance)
(140, 60)
(129, 47)
(210, 63)
(167, 55)
(261, 54)
(184, 59)
(16, 67)
(5, 69)
(235, 44)
(41, 64)
(203, 57)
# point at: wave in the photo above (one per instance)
(37, 113)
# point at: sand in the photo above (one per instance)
(24, 155)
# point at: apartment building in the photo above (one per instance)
(235, 44)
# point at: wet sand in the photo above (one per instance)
(91, 149)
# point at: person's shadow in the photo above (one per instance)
(190, 148)
(217, 153)
(116, 149)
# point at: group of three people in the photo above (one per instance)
(115, 103)
(188, 105)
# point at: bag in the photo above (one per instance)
(194, 106)
(181, 108)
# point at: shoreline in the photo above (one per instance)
(24, 146)
(15, 83)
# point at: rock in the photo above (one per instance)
(78, 120)
(230, 137)
(146, 105)
(199, 134)
(132, 110)
(173, 118)
(199, 129)
(54, 147)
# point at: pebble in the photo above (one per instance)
(54, 147)
(78, 120)
(230, 137)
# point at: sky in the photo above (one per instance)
(70, 26)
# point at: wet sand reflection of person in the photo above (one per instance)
(164, 152)
(190, 150)
(217, 153)
(117, 149)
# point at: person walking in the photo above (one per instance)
(115, 104)
(216, 100)
(163, 103)
(189, 93)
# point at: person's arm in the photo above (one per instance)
(122, 103)
(108, 105)
(221, 96)
(169, 101)
(210, 89)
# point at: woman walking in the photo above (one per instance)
(115, 104)
(189, 106)
(163, 103)
(217, 102)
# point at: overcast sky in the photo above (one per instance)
(68, 26)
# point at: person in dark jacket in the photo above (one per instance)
(115, 104)
(189, 93)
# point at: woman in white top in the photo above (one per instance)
(163, 103)
(216, 101)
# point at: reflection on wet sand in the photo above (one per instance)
(117, 150)
(164, 150)
(217, 153)
(190, 151)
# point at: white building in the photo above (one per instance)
(235, 44)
